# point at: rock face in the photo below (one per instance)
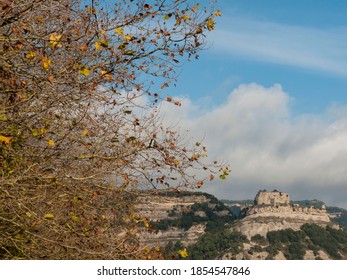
(272, 211)
(164, 208)
(160, 207)
(173, 234)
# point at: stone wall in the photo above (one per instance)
(273, 198)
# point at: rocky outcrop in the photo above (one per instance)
(163, 208)
(272, 211)
(173, 234)
(160, 207)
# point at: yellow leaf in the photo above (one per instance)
(85, 132)
(119, 31)
(46, 62)
(123, 45)
(146, 250)
(5, 139)
(75, 218)
(127, 37)
(195, 8)
(185, 17)
(30, 55)
(145, 223)
(97, 46)
(183, 253)
(36, 132)
(54, 40)
(43, 131)
(217, 13)
(129, 52)
(167, 16)
(3, 118)
(210, 24)
(84, 71)
(51, 143)
(103, 43)
(106, 75)
(48, 216)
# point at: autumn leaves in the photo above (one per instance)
(79, 96)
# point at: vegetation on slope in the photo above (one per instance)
(294, 244)
(216, 239)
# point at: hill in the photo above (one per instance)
(207, 229)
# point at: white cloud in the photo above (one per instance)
(268, 147)
(317, 49)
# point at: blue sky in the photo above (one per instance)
(316, 27)
(274, 80)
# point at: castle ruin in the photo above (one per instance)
(273, 211)
(274, 198)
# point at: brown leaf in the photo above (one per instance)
(51, 80)
(84, 47)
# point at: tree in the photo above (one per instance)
(80, 132)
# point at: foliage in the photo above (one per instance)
(261, 240)
(285, 236)
(187, 218)
(213, 244)
(290, 241)
(311, 237)
(79, 126)
(331, 240)
(295, 251)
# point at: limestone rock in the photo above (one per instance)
(272, 211)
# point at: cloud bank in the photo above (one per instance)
(268, 147)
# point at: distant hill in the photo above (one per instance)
(338, 215)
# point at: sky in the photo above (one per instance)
(269, 96)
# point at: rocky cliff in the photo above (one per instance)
(272, 211)
(178, 217)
